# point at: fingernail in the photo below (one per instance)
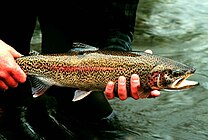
(155, 93)
(122, 79)
(135, 78)
(149, 51)
(110, 84)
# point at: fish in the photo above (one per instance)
(90, 69)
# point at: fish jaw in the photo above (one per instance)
(183, 83)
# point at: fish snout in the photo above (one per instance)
(193, 70)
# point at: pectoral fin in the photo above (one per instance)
(38, 86)
(80, 94)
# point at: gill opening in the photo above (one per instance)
(158, 81)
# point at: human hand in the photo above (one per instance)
(10, 72)
(134, 87)
(122, 91)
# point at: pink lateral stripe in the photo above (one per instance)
(80, 68)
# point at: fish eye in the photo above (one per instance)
(177, 73)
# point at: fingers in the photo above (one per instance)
(148, 51)
(135, 84)
(6, 80)
(122, 92)
(12, 69)
(109, 90)
(155, 93)
(10, 74)
(18, 74)
(3, 86)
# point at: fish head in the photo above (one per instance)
(172, 77)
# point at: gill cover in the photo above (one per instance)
(160, 77)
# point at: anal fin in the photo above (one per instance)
(80, 94)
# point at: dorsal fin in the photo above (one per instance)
(77, 46)
(34, 52)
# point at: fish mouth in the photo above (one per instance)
(183, 83)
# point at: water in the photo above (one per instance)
(175, 29)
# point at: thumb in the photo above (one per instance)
(6, 47)
(14, 53)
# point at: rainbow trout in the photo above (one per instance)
(91, 70)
